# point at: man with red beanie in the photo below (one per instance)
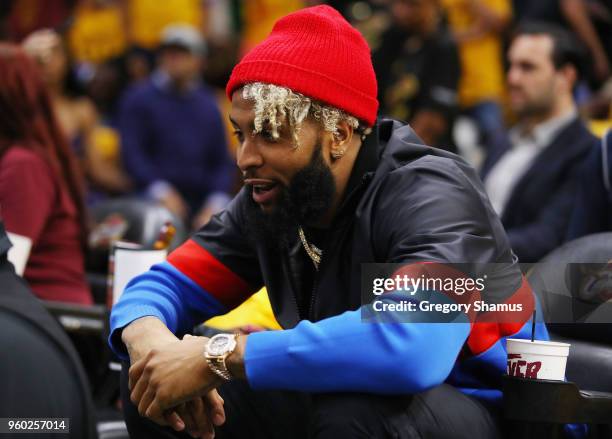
(327, 189)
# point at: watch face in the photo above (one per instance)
(221, 344)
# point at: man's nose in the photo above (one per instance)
(513, 76)
(248, 155)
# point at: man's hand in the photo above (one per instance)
(194, 416)
(198, 416)
(145, 334)
(166, 378)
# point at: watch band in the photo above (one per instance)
(217, 365)
(217, 362)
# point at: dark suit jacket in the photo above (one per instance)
(537, 213)
(592, 211)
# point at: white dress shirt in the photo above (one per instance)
(526, 146)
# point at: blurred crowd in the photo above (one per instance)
(136, 106)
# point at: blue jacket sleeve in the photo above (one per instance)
(344, 353)
(166, 293)
(443, 217)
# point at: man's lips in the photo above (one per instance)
(264, 191)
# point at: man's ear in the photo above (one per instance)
(341, 139)
(570, 76)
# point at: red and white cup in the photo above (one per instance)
(540, 360)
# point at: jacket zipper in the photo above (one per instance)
(315, 282)
(294, 297)
(297, 306)
(365, 179)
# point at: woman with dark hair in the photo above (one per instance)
(41, 191)
(77, 116)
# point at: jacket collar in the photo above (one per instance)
(543, 134)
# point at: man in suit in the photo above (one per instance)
(530, 175)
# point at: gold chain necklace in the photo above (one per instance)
(313, 252)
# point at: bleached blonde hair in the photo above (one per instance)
(276, 105)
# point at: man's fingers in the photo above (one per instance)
(215, 403)
(154, 410)
(200, 412)
(188, 417)
(136, 371)
(145, 402)
(175, 421)
(139, 389)
(184, 416)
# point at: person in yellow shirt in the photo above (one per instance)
(478, 27)
(258, 17)
(147, 19)
(98, 31)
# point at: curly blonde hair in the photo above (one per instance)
(276, 105)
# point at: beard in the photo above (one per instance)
(534, 105)
(305, 201)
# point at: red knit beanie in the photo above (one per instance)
(316, 52)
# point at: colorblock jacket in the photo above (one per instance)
(405, 203)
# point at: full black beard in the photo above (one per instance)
(304, 202)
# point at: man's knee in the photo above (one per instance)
(441, 412)
(354, 415)
(444, 411)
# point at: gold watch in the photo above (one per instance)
(218, 348)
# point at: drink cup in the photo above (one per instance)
(126, 261)
(540, 360)
(20, 252)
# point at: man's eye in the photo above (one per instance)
(238, 135)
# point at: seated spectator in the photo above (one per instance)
(42, 376)
(172, 135)
(593, 202)
(478, 27)
(76, 114)
(418, 70)
(530, 178)
(40, 189)
(328, 187)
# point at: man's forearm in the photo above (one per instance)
(576, 13)
(341, 354)
(144, 334)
